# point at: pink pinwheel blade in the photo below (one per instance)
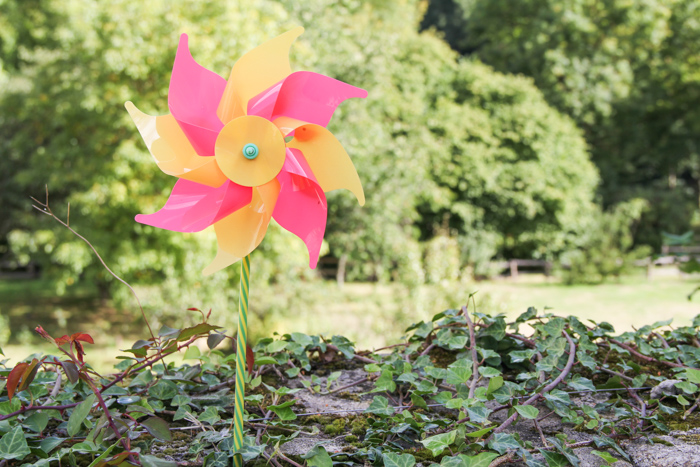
(193, 207)
(193, 98)
(305, 96)
(301, 207)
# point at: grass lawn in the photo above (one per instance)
(372, 315)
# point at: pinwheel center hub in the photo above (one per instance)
(250, 151)
(259, 141)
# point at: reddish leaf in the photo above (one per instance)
(29, 374)
(39, 330)
(81, 336)
(79, 349)
(249, 359)
(194, 309)
(62, 340)
(14, 377)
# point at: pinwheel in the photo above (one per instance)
(229, 143)
(248, 150)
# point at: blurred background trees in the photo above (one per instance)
(493, 129)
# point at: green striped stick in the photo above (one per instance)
(240, 360)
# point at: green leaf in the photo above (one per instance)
(478, 413)
(482, 460)
(276, 346)
(283, 410)
(302, 339)
(318, 457)
(49, 444)
(517, 356)
(201, 328)
(37, 421)
(494, 384)
(418, 401)
(459, 372)
(192, 353)
(13, 445)
(502, 442)
(688, 388)
(163, 390)
(158, 428)
(438, 443)
(392, 459)
(380, 406)
(554, 459)
(489, 372)
(479, 433)
(693, 375)
(167, 331)
(385, 382)
(80, 412)
(605, 456)
(153, 461)
(215, 339)
(529, 314)
(527, 411)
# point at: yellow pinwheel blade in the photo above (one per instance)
(221, 261)
(328, 160)
(254, 72)
(241, 232)
(172, 151)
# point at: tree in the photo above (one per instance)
(623, 70)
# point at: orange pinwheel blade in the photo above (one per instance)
(328, 160)
(172, 150)
(241, 232)
(254, 72)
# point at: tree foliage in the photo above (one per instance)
(437, 137)
(625, 71)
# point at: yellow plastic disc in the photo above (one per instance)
(239, 161)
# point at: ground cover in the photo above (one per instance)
(460, 389)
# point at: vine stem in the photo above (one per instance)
(567, 369)
(644, 357)
(475, 357)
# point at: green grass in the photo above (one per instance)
(372, 315)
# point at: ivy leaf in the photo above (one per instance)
(158, 428)
(438, 443)
(609, 459)
(380, 406)
(527, 411)
(693, 375)
(479, 433)
(394, 460)
(554, 459)
(13, 445)
(488, 372)
(482, 460)
(529, 314)
(566, 451)
(163, 390)
(302, 339)
(385, 382)
(80, 412)
(318, 457)
(283, 410)
(494, 384)
(502, 442)
(153, 461)
(459, 372)
(478, 413)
